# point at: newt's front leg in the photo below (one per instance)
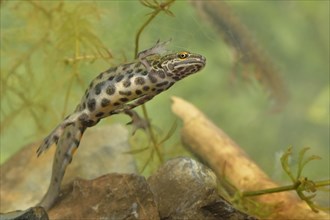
(159, 48)
(137, 122)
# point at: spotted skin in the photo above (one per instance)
(63, 156)
(122, 88)
(116, 90)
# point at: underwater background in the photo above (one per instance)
(266, 81)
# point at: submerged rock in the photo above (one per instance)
(25, 177)
(112, 196)
(181, 189)
(35, 213)
(186, 189)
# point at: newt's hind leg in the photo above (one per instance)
(67, 145)
(57, 133)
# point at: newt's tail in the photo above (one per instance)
(66, 146)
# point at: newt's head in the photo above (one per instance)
(181, 64)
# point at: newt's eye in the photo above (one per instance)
(183, 55)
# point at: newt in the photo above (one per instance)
(116, 90)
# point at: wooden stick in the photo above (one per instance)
(225, 157)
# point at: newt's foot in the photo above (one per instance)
(137, 122)
(160, 47)
(47, 142)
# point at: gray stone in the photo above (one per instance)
(186, 189)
